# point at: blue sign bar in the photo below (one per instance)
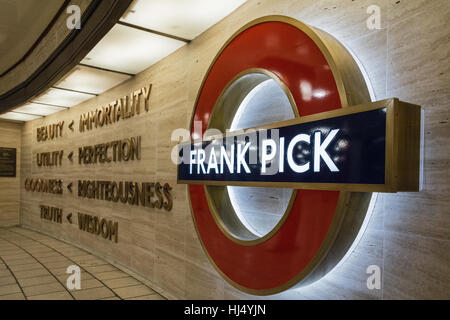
(347, 149)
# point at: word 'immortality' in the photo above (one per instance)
(122, 108)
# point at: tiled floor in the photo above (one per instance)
(34, 266)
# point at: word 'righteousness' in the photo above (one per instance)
(146, 194)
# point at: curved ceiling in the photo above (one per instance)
(118, 39)
(19, 21)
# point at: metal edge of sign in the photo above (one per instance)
(394, 127)
(389, 186)
(305, 119)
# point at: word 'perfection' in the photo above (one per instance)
(115, 151)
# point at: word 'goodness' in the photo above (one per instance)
(146, 194)
(53, 186)
(122, 108)
(121, 150)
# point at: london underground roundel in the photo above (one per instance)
(277, 61)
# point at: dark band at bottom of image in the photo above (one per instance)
(242, 309)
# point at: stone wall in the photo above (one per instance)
(409, 234)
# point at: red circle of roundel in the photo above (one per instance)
(295, 58)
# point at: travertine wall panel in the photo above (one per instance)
(10, 137)
(408, 235)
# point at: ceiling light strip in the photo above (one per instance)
(126, 24)
(49, 105)
(28, 114)
(105, 69)
(76, 91)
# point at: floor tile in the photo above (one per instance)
(5, 273)
(7, 280)
(59, 264)
(58, 258)
(14, 296)
(93, 294)
(42, 274)
(103, 268)
(149, 297)
(63, 277)
(90, 283)
(59, 271)
(53, 296)
(29, 282)
(31, 273)
(134, 291)
(43, 289)
(16, 262)
(121, 282)
(43, 255)
(26, 267)
(9, 289)
(110, 275)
